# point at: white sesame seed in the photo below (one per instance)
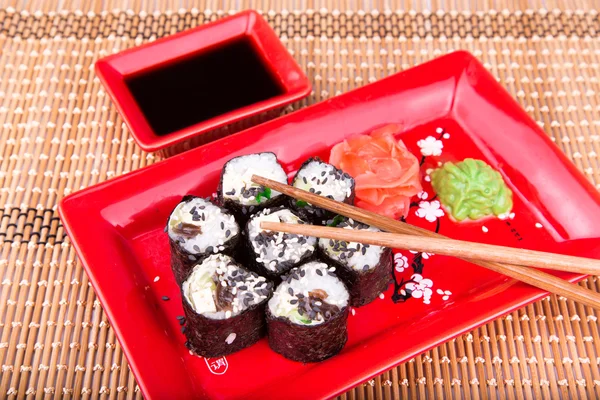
(353, 311)
(538, 225)
(381, 295)
(227, 314)
(230, 338)
(156, 278)
(484, 229)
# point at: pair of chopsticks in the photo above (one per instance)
(504, 260)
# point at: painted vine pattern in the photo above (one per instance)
(418, 286)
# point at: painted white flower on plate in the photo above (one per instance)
(444, 293)
(430, 210)
(400, 262)
(425, 256)
(430, 146)
(420, 288)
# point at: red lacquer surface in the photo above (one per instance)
(114, 70)
(117, 229)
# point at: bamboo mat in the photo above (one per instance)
(60, 133)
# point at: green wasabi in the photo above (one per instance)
(471, 189)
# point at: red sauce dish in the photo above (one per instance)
(199, 85)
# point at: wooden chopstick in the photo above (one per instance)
(528, 275)
(447, 247)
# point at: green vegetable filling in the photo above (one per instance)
(266, 193)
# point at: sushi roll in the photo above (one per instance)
(323, 179)
(365, 269)
(307, 315)
(224, 306)
(243, 197)
(273, 253)
(197, 228)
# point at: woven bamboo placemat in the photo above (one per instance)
(60, 133)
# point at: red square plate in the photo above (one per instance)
(117, 229)
(115, 70)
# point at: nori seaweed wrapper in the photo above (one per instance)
(207, 337)
(364, 286)
(310, 213)
(308, 343)
(182, 261)
(249, 256)
(241, 212)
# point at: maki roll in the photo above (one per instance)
(274, 253)
(198, 228)
(224, 306)
(307, 315)
(323, 179)
(364, 268)
(243, 197)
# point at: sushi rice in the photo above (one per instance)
(358, 256)
(278, 251)
(201, 227)
(237, 185)
(324, 179)
(311, 295)
(218, 288)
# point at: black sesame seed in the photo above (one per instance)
(319, 272)
(243, 287)
(196, 248)
(180, 317)
(302, 273)
(222, 225)
(312, 190)
(227, 233)
(366, 268)
(181, 322)
(166, 228)
(191, 257)
(363, 250)
(183, 329)
(291, 291)
(304, 179)
(165, 298)
(300, 296)
(294, 301)
(209, 249)
(323, 173)
(330, 273)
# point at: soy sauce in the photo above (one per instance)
(203, 86)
